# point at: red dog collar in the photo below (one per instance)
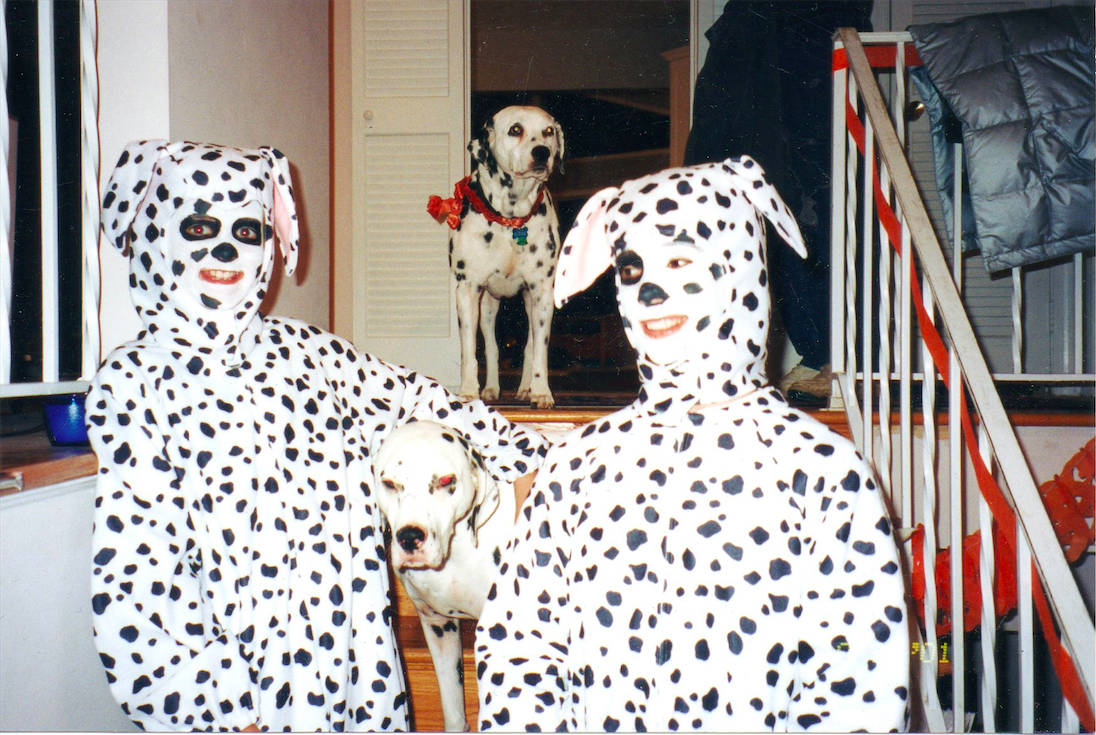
(448, 210)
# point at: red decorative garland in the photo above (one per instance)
(448, 210)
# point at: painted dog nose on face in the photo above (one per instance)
(225, 252)
(541, 154)
(410, 538)
(651, 294)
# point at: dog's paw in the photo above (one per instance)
(542, 400)
(467, 396)
(489, 394)
(523, 394)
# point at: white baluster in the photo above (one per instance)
(1017, 320)
(987, 570)
(850, 264)
(868, 260)
(955, 436)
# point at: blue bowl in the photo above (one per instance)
(65, 420)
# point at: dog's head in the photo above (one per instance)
(430, 481)
(520, 142)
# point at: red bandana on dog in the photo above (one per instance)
(448, 210)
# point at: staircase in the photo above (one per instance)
(918, 394)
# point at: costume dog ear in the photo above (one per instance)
(127, 189)
(747, 175)
(287, 229)
(587, 251)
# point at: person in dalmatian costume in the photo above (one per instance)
(239, 578)
(708, 558)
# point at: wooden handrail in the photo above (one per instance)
(1077, 631)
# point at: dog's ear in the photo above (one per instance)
(127, 189)
(487, 499)
(586, 251)
(286, 226)
(480, 148)
(748, 177)
(559, 146)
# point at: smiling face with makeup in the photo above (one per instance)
(667, 292)
(217, 251)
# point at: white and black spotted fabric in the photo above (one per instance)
(708, 558)
(239, 569)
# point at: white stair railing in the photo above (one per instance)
(882, 240)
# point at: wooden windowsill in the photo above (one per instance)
(41, 464)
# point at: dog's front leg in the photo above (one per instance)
(468, 307)
(489, 310)
(443, 640)
(538, 307)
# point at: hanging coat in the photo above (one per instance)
(708, 558)
(239, 572)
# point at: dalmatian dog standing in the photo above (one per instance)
(239, 574)
(708, 558)
(504, 239)
(449, 522)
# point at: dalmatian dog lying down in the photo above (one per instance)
(504, 239)
(449, 522)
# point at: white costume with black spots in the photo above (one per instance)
(708, 558)
(239, 571)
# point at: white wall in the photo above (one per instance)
(241, 83)
(51, 678)
(133, 105)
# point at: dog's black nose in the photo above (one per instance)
(225, 252)
(651, 294)
(410, 538)
(541, 154)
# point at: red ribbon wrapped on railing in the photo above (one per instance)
(884, 56)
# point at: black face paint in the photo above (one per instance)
(197, 255)
(211, 302)
(651, 294)
(199, 227)
(247, 230)
(630, 267)
(225, 252)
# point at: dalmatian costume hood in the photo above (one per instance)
(239, 571)
(708, 558)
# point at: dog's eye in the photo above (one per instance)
(199, 227)
(448, 482)
(549, 132)
(676, 263)
(516, 130)
(390, 486)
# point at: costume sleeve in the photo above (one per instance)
(523, 635)
(853, 652)
(509, 451)
(167, 664)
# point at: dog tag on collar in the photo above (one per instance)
(521, 234)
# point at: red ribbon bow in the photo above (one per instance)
(449, 210)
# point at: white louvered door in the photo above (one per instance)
(410, 127)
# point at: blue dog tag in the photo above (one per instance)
(521, 234)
